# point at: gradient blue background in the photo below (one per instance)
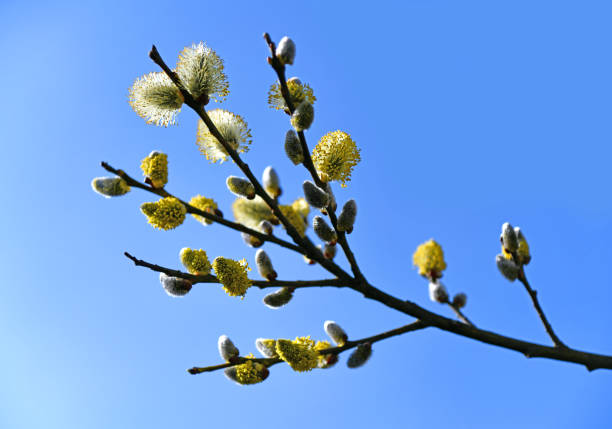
(468, 114)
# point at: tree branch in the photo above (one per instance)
(414, 326)
(194, 210)
(262, 284)
(591, 361)
(310, 250)
(534, 299)
(279, 68)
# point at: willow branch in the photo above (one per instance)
(414, 326)
(209, 278)
(194, 210)
(310, 250)
(279, 68)
(591, 361)
(534, 299)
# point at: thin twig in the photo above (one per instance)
(459, 314)
(262, 284)
(196, 211)
(534, 299)
(279, 68)
(414, 326)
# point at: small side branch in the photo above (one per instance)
(414, 326)
(279, 68)
(534, 299)
(261, 284)
(194, 210)
(460, 314)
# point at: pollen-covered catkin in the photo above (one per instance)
(507, 267)
(285, 50)
(429, 258)
(247, 373)
(347, 216)
(300, 354)
(271, 182)
(232, 275)
(227, 349)
(175, 286)
(201, 72)
(335, 332)
(323, 230)
(264, 265)
(240, 187)
(293, 148)
(315, 196)
(155, 169)
(302, 116)
(206, 205)
(278, 298)
(335, 156)
(196, 261)
(360, 355)
(166, 213)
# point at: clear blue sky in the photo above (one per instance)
(468, 114)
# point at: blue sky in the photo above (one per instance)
(468, 114)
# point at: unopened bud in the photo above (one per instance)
(332, 199)
(437, 292)
(175, 286)
(296, 80)
(347, 216)
(285, 50)
(360, 355)
(508, 238)
(279, 298)
(110, 186)
(309, 261)
(251, 240)
(315, 196)
(264, 265)
(267, 347)
(231, 374)
(459, 300)
(507, 267)
(241, 187)
(293, 148)
(266, 227)
(335, 332)
(302, 116)
(330, 250)
(227, 349)
(323, 230)
(271, 182)
(328, 361)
